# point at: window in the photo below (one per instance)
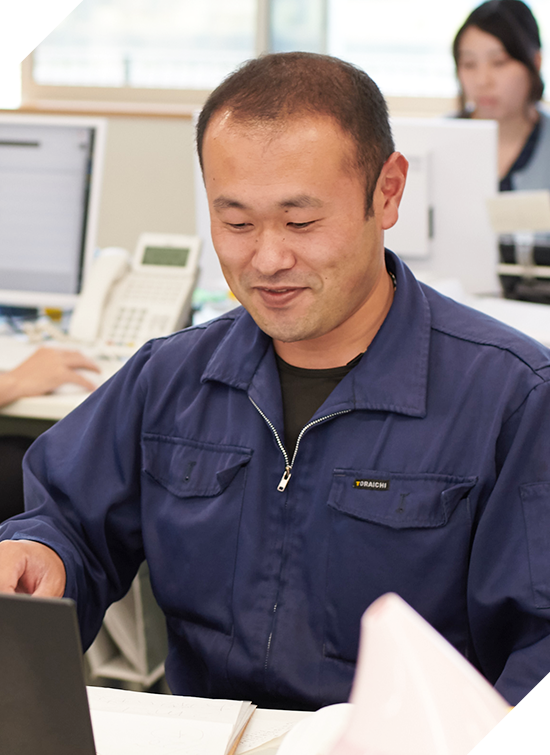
(159, 49)
(157, 44)
(297, 25)
(164, 50)
(406, 46)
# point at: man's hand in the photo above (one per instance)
(31, 568)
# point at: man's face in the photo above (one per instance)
(288, 224)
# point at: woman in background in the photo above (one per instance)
(497, 54)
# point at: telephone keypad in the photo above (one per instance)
(158, 290)
(126, 326)
(153, 288)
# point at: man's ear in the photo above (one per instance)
(389, 189)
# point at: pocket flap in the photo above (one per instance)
(190, 469)
(398, 500)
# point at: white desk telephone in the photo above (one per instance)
(126, 302)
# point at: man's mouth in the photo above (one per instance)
(280, 295)
(278, 290)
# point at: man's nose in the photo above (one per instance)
(272, 252)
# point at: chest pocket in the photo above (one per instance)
(400, 533)
(192, 497)
(399, 501)
(190, 469)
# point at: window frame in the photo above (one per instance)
(143, 101)
(126, 98)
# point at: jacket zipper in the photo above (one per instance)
(287, 474)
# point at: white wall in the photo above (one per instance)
(147, 179)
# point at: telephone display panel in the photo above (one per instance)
(167, 255)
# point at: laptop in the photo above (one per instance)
(43, 702)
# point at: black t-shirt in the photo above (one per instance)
(304, 391)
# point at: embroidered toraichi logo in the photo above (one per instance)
(372, 484)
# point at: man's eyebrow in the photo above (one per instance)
(224, 203)
(302, 200)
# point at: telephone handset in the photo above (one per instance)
(125, 303)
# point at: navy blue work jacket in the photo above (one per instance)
(425, 472)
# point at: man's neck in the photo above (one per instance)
(344, 343)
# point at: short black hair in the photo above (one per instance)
(514, 25)
(284, 86)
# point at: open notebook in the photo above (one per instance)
(45, 708)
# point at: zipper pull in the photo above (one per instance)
(284, 479)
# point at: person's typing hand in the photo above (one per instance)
(31, 568)
(45, 371)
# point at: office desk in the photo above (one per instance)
(531, 319)
(48, 408)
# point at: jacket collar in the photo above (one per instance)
(391, 376)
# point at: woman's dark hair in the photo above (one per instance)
(281, 87)
(513, 24)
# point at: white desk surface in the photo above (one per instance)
(263, 735)
(527, 317)
(532, 319)
(51, 407)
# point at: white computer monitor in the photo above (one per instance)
(443, 230)
(50, 179)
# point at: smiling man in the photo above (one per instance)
(294, 241)
(346, 433)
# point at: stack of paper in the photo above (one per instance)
(131, 723)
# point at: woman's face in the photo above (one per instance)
(497, 85)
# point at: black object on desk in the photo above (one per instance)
(532, 287)
(20, 313)
(43, 702)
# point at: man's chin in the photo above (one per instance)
(282, 331)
